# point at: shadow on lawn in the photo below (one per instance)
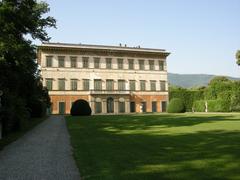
(201, 155)
(133, 122)
(204, 155)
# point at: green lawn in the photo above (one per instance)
(159, 146)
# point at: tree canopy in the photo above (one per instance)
(238, 57)
(19, 73)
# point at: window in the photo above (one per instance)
(98, 107)
(61, 84)
(132, 85)
(121, 107)
(130, 64)
(142, 85)
(163, 85)
(49, 84)
(109, 85)
(141, 64)
(108, 63)
(49, 61)
(154, 106)
(153, 85)
(132, 107)
(97, 84)
(85, 62)
(121, 85)
(97, 63)
(143, 107)
(74, 84)
(86, 84)
(151, 65)
(161, 65)
(120, 63)
(61, 61)
(73, 62)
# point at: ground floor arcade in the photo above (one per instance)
(111, 103)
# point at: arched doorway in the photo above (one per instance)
(110, 105)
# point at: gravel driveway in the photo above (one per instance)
(43, 153)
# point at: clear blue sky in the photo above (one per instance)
(202, 35)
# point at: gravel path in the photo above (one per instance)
(43, 153)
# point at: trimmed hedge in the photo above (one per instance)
(217, 105)
(188, 96)
(176, 105)
(199, 106)
(81, 108)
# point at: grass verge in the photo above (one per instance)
(161, 146)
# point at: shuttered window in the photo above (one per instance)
(49, 84)
(109, 84)
(61, 61)
(61, 84)
(97, 63)
(163, 85)
(132, 85)
(141, 64)
(74, 84)
(151, 65)
(120, 63)
(108, 63)
(153, 85)
(130, 64)
(161, 65)
(85, 84)
(85, 62)
(121, 85)
(142, 85)
(49, 60)
(97, 84)
(73, 62)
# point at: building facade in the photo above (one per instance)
(113, 79)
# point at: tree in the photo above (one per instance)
(19, 74)
(238, 57)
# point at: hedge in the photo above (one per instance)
(199, 106)
(81, 108)
(176, 105)
(188, 96)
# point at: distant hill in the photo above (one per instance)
(191, 80)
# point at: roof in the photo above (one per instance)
(103, 47)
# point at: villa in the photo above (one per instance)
(113, 79)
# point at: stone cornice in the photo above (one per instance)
(98, 51)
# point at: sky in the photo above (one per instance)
(202, 35)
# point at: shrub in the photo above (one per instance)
(81, 108)
(199, 106)
(176, 105)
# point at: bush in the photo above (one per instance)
(199, 106)
(81, 108)
(176, 105)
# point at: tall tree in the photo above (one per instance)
(238, 57)
(19, 74)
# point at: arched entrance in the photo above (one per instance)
(110, 105)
